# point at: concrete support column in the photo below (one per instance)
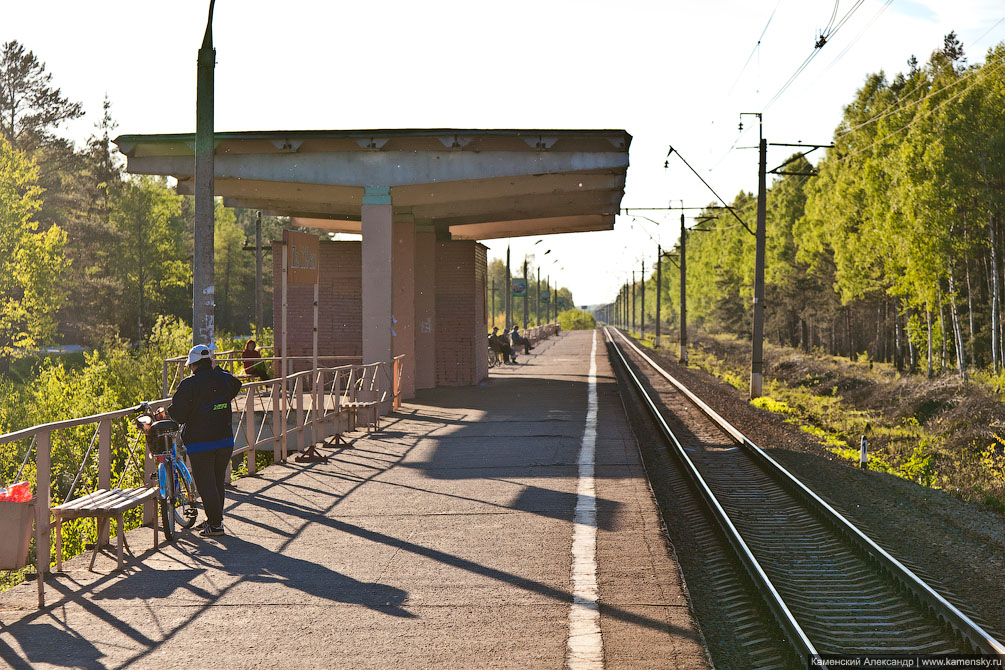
(378, 244)
(425, 307)
(403, 298)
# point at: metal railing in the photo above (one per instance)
(232, 361)
(282, 415)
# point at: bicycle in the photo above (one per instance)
(174, 481)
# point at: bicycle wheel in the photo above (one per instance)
(184, 510)
(167, 505)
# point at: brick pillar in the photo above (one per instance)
(425, 307)
(378, 243)
(461, 335)
(403, 299)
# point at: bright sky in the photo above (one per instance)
(670, 73)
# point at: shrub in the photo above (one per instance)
(576, 319)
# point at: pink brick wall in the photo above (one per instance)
(460, 312)
(339, 303)
(460, 316)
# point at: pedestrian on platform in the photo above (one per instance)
(202, 403)
(496, 345)
(520, 340)
(507, 347)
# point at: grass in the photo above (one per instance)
(903, 448)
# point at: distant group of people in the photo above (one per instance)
(503, 344)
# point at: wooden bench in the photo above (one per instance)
(366, 405)
(103, 504)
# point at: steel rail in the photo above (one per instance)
(936, 603)
(792, 629)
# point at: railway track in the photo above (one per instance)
(830, 589)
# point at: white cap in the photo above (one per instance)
(199, 352)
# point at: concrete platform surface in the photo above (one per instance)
(443, 541)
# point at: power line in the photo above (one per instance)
(910, 123)
(930, 94)
(857, 37)
(825, 37)
(754, 50)
(710, 189)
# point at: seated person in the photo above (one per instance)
(253, 363)
(504, 338)
(519, 339)
(497, 346)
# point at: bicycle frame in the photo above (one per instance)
(174, 481)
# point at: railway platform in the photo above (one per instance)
(505, 525)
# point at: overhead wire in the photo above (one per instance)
(857, 37)
(710, 189)
(983, 70)
(930, 94)
(821, 42)
(754, 50)
(728, 151)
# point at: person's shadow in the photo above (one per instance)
(253, 563)
(46, 644)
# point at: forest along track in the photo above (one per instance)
(831, 590)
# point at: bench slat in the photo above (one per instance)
(105, 501)
(90, 500)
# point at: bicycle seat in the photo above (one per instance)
(163, 427)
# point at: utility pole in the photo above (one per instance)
(554, 300)
(659, 289)
(509, 292)
(757, 356)
(642, 301)
(494, 303)
(258, 275)
(526, 292)
(633, 302)
(626, 319)
(682, 359)
(547, 306)
(203, 304)
(538, 317)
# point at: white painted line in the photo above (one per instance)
(586, 646)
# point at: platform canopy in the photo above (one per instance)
(474, 184)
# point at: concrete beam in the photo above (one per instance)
(391, 168)
(543, 226)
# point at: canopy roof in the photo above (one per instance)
(478, 184)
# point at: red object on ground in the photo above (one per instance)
(20, 492)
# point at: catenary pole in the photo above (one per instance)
(633, 302)
(202, 265)
(538, 314)
(756, 359)
(258, 276)
(659, 290)
(526, 293)
(683, 293)
(509, 293)
(642, 301)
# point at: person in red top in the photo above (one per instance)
(253, 363)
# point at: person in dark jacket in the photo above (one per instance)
(202, 403)
(520, 340)
(496, 344)
(507, 347)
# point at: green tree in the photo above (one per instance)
(29, 106)
(150, 259)
(234, 273)
(96, 288)
(31, 261)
